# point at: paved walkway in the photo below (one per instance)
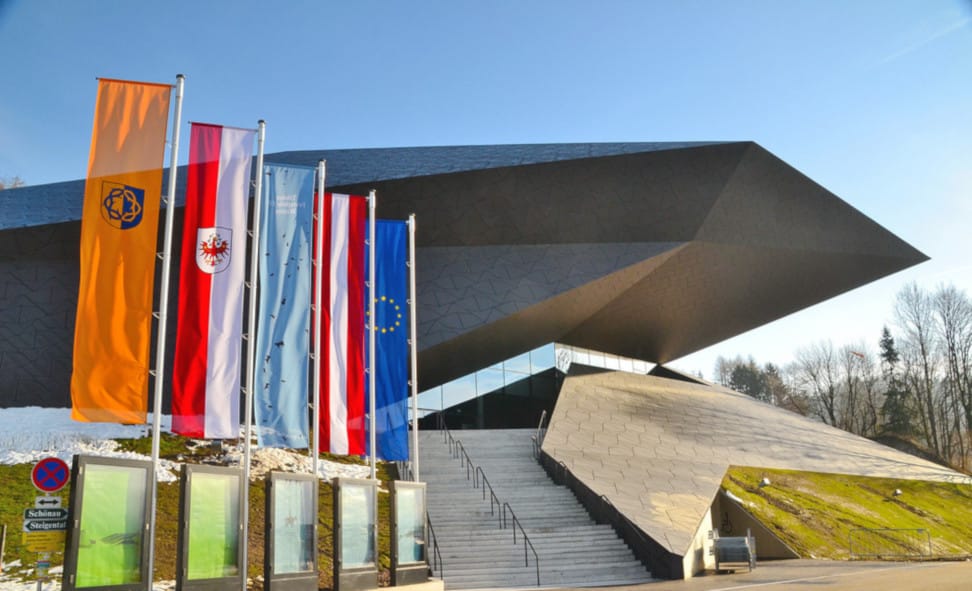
(833, 576)
(659, 448)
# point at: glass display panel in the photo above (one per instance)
(294, 518)
(111, 526)
(357, 525)
(214, 522)
(410, 512)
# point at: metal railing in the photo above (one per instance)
(404, 468)
(465, 461)
(889, 543)
(492, 495)
(436, 555)
(619, 515)
(616, 516)
(537, 438)
(526, 540)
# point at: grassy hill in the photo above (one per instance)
(18, 493)
(815, 513)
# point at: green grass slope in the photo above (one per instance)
(815, 513)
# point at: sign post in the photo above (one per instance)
(45, 524)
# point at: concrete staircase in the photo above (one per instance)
(573, 550)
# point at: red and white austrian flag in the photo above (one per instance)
(208, 360)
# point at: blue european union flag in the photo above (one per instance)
(391, 339)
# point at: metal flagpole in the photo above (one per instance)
(251, 338)
(318, 299)
(163, 311)
(371, 333)
(413, 341)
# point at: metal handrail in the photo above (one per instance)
(540, 431)
(492, 495)
(404, 469)
(631, 524)
(465, 460)
(526, 540)
(436, 554)
(564, 470)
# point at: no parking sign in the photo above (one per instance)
(50, 474)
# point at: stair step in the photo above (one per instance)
(573, 550)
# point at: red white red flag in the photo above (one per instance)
(206, 375)
(342, 353)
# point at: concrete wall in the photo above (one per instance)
(699, 557)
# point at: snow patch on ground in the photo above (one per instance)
(265, 459)
(31, 433)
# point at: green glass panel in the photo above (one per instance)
(357, 526)
(410, 512)
(294, 519)
(214, 522)
(112, 526)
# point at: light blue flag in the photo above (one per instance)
(283, 333)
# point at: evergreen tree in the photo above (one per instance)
(749, 379)
(897, 415)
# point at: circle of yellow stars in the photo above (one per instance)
(397, 313)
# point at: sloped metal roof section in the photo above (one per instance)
(61, 202)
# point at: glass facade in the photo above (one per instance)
(533, 375)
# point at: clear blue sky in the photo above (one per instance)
(871, 99)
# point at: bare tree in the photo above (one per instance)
(11, 183)
(815, 372)
(953, 314)
(723, 369)
(860, 393)
(915, 317)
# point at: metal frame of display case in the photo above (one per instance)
(299, 581)
(356, 578)
(183, 582)
(408, 573)
(80, 467)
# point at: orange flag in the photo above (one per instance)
(119, 235)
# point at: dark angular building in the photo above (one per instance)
(645, 250)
